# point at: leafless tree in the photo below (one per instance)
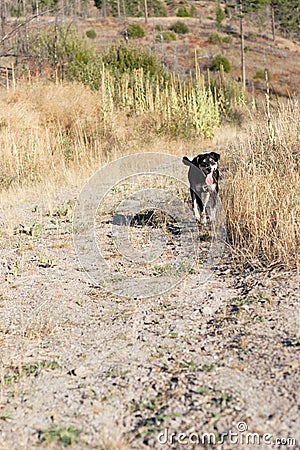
(242, 37)
(146, 11)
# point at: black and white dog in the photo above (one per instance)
(204, 177)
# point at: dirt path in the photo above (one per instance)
(85, 368)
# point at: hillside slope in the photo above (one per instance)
(281, 57)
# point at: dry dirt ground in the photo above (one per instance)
(83, 368)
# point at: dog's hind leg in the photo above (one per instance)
(196, 210)
(195, 204)
(205, 200)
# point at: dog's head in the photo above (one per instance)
(208, 164)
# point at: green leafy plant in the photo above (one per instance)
(14, 373)
(193, 11)
(91, 34)
(219, 61)
(169, 36)
(262, 74)
(46, 262)
(135, 30)
(179, 27)
(214, 38)
(60, 48)
(182, 12)
(220, 16)
(60, 435)
(227, 39)
(127, 58)
(33, 229)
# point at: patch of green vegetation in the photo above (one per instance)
(204, 236)
(167, 307)
(60, 47)
(193, 11)
(227, 39)
(173, 335)
(135, 30)
(64, 436)
(46, 262)
(262, 74)
(33, 229)
(115, 372)
(169, 36)
(31, 369)
(220, 16)
(203, 390)
(208, 368)
(240, 303)
(152, 425)
(128, 58)
(182, 12)
(5, 415)
(179, 27)
(221, 399)
(293, 343)
(214, 38)
(219, 61)
(91, 34)
(192, 366)
(65, 212)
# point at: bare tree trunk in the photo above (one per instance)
(39, 37)
(243, 65)
(119, 8)
(146, 10)
(56, 74)
(3, 17)
(26, 25)
(124, 9)
(104, 11)
(273, 21)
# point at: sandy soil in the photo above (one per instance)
(87, 369)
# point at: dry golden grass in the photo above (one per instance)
(54, 135)
(261, 191)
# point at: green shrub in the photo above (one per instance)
(261, 74)
(159, 9)
(220, 16)
(135, 31)
(179, 27)
(182, 12)
(252, 36)
(227, 39)
(127, 58)
(193, 11)
(169, 36)
(61, 49)
(91, 34)
(219, 61)
(121, 61)
(214, 38)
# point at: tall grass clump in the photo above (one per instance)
(47, 130)
(262, 191)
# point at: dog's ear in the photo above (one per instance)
(215, 156)
(198, 160)
(186, 161)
